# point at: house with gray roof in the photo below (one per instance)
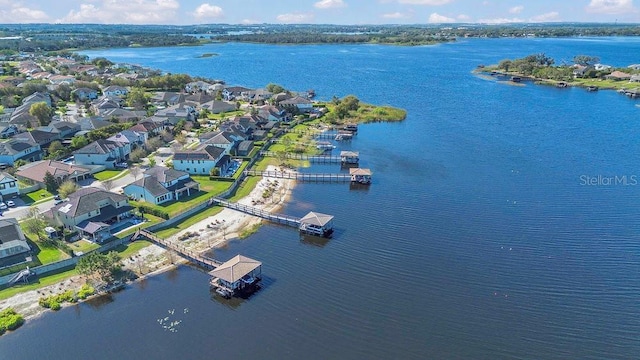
(8, 130)
(8, 186)
(222, 139)
(160, 184)
(13, 244)
(298, 103)
(115, 90)
(134, 138)
(202, 160)
(217, 106)
(103, 152)
(92, 211)
(13, 150)
(84, 94)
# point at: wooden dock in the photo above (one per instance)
(254, 211)
(318, 159)
(304, 177)
(196, 258)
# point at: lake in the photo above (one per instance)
(483, 235)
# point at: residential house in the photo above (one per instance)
(61, 79)
(635, 78)
(93, 123)
(64, 129)
(35, 172)
(8, 186)
(197, 86)
(19, 149)
(21, 115)
(234, 92)
(618, 76)
(221, 139)
(105, 103)
(103, 152)
(42, 138)
(115, 90)
(600, 67)
(133, 138)
(272, 113)
(84, 94)
(218, 107)
(164, 98)
(8, 130)
(199, 98)
(202, 160)
(13, 244)
(92, 211)
(148, 127)
(258, 96)
(297, 103)
(175, 113)
(123, 115)
(245, 147)
(160, 184)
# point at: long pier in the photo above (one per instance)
(322, 159)
(254, 211)
(196, 258)
(306, 177)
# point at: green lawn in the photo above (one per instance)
(49, 254)
(106, 174)
(83, 246)
(34, 196)
(129, 249)
(42, 282)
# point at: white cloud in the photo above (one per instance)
(436, 18)
(498, 21)
(463, 17)
(610, 6)
(424, 2)
(125, 12)
(250, 21)
(329, 4)
(295, 18)
(15, 12)
(208, 11)
(516, 9)
(395, 15)
(547, 17)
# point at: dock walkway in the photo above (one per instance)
(322, 159)
(306, 177)
(192, 256)
(254, 211)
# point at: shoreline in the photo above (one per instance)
(229, 225)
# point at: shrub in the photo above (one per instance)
(147, 209)
(10, 320)
(85, 291)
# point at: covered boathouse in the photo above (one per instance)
(237, 276)
(317, 224)
(360, 175)
(349, 157)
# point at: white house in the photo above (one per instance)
(160, 184)
(8, 186)
(115, 90)
(103, 152)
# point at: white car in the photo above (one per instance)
(3, 206)
(11, 203)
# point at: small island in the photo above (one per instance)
(207, 55)
(586, 71)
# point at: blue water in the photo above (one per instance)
(477, 239)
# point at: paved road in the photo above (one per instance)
(21, 210)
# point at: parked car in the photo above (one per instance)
(122, 165)
(57, 201)
(3, 206)
(11, 203)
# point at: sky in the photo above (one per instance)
(185, 12)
